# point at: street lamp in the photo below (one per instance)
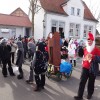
(43, 23)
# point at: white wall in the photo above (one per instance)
(38, 24)
(91, 23)
(20, 31)
(67, 21)
(77, 4)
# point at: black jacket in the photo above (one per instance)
(95, 65)
(5, 53)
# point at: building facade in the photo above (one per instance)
(69, 17)
(15, 24)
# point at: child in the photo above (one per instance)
(72, 52)
(20, 59)
(40, 67)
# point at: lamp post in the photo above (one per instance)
(43, 23)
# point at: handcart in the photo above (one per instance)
(54, 50)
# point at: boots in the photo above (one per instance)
(13, 74)
(89, 96)
(20, 76)
(78, 98)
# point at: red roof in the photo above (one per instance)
(55, 6)
(13, 20)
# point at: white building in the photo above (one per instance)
(72, 17)
(15, 24)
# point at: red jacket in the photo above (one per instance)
(95, 51)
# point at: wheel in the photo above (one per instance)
(48, 74)
(59, 76)
(68, 75)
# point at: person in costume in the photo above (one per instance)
(72, 52)
(89, 52)
(40, 65)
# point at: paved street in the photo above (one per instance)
(13, 89)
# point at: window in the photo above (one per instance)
(61, 24)
(90, 28)
(71, 31)
(54, 26)
(61, 29)
(54, 23)
(87, 29)
(74, 30)
(72, 11)
(58, 26)
(78, 12)
(77, 30)
(5, 31)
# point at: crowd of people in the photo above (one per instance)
(72, 49)
(18, 51)
(37, 54)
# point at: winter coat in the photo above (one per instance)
(5, 52)
(39, 66)
(13, 47)
(20, 54)
(31, 48)
(25, 46)
(71, 49)
(94, 67)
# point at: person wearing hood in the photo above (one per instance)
(31, 48)
(5, 56)
(72, 52)
(40, 66)
(20, 59)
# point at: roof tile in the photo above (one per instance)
(53, 6)
(13, 20)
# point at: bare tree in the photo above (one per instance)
(34, 8)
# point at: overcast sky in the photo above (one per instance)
(8, 6)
